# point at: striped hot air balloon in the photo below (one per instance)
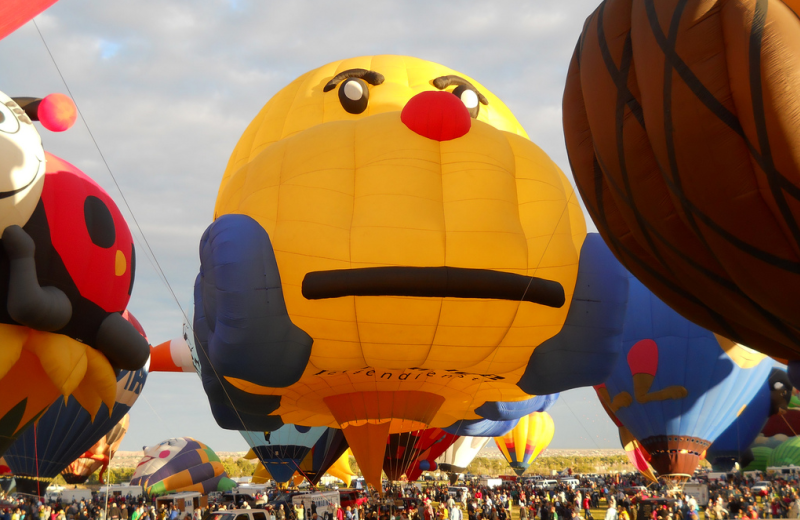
(180, 464)
(527, 440)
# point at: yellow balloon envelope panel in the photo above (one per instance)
(389, 250)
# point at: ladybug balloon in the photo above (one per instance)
(83, 259)
(66, 273)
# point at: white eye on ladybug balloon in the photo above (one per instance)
(8, 120)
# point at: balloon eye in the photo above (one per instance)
(8, 121)
(470, 99)
(354, 95)
(777, 386)
(99, 222)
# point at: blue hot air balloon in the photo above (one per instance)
(327, 450)
(281, 451)
(733, 445)
(678, 386)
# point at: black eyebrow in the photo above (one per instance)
(442, 82)
(370, 76)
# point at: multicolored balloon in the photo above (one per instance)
(637, 455)
(281, 451)
(678, 386)
(412, 453)
(526, 441)
(326, 452)
(180, 464)
(459, 455)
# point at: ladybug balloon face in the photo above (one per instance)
(21, 163)
(90, 236)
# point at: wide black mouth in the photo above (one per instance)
(432, 282)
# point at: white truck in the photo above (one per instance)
(698, 491)
(491, 482)
(324, 502)
(76, 495)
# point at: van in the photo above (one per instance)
(547, 484)
(571, 482)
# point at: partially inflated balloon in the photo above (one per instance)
(678, 386)
(636, 454)
(787, 454)
(460, 454)
(341, 468)
(98, 456)
(526, 441)
(760, 460)
(330, 447)
(281, 451)
(732, 443)
(412, 453)
(180, 464)
(680, 122)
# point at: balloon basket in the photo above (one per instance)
(675, 482)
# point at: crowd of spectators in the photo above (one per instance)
(619, 498)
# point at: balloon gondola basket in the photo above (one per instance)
(675, 482)
(32, 486)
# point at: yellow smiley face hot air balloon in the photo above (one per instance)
(389, 250)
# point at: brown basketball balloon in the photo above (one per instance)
(682, 124)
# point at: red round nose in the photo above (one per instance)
(440, 116)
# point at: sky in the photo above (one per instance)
(167, 87)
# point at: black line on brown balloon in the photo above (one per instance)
(432, 282)
(620, 77)
(624, 252)
(725, 283)
(624, 98)
(672, 61)
(759, 117)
